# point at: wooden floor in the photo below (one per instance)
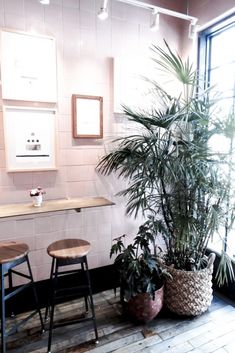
(214, 331)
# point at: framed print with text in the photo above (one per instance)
(30, 142)
(28, 67)
(87, 115)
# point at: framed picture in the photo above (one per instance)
(87, 114)
(30, 142)
(28, 67)
(129, 86)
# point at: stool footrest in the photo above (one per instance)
(72, 322)
(22, 322)
(58, 297)
(61, 273)
(20, 274)
(18, 290)
(81, 288)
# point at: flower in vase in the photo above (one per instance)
(37, 191)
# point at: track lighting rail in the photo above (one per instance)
(160, 10)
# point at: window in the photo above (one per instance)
(217, 67)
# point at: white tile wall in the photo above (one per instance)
(85, 48)
(13, 6)
(7, 229)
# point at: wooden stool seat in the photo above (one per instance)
(12, 250)
(69, 248)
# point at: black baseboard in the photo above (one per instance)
(102, 278)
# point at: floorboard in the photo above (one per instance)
(211, 332)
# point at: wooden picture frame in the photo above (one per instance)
(87, 116)
(30, 139)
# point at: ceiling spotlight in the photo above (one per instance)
(44, 2)
(155, 22)
(192, 30)
(103, 13)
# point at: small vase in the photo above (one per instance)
(37, 201)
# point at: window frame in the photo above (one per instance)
(204, 46)
(205, 38)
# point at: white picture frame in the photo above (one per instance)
(28, 67)
(30, 141)
(129, 85)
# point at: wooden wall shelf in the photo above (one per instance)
(22, 209)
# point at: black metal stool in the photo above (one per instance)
(13, 254)
(69, 252)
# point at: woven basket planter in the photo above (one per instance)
(189, 292)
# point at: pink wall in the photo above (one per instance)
(207, 10)
(85, 48)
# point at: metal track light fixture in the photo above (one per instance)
(156, 11)
(103, 12)
(154, 26)
(44, 2)
(192, 29)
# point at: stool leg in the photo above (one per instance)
(3, 318)
(35, 294)
(50, 289)
(10, 279)
(85, 296)
(91, 300)
(52, 306)
(10, 287)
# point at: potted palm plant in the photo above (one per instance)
(141, 277)
(175, 179)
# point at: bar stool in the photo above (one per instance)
(69, 252)
(13, 254)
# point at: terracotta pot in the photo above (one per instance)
(143, 308)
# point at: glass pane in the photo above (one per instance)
(223, 47)
(221, 69)
(223, 78)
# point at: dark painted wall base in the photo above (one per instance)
(102, 278)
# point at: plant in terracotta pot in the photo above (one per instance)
(175, 178)
(141, 277)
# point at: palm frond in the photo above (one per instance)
(173, 63)
(224, 273)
